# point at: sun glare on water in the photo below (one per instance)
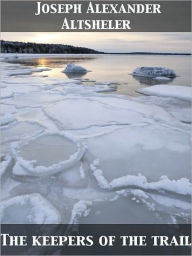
(42, 62)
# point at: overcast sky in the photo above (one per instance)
(111, 42)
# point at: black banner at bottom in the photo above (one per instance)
(98, 239)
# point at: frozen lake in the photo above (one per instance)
(84, 149)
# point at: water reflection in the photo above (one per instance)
(151, 80)
(74, 75)
(50, 62)
(42, 62)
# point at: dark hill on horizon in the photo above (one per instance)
(29, 47)
(21, 47)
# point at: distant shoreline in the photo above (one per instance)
(148, 53)
(38, 48)
(104, 53)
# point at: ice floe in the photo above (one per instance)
(77, 112)
(176, 91)
(160, 150)
(19, 131)
(154, 72)
(78, 88)
(64, 152)
(73, 68)
(181, 186)
(28, 71)
(29, 209)
(180, 109)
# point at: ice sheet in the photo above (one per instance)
(28, 209)
(175, 91)
(134, 153)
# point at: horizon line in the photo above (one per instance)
(102, 52)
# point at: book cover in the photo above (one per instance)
(95, 127)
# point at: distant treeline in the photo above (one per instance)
(154, 53)
(20, 47)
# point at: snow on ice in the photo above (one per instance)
(162, 78)
(175, 91)
(179, 108)
(29, 209)
(72, 68)
(80, 209)
(7, 119)
(154, 72)
(5, 162)
(29, 154)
